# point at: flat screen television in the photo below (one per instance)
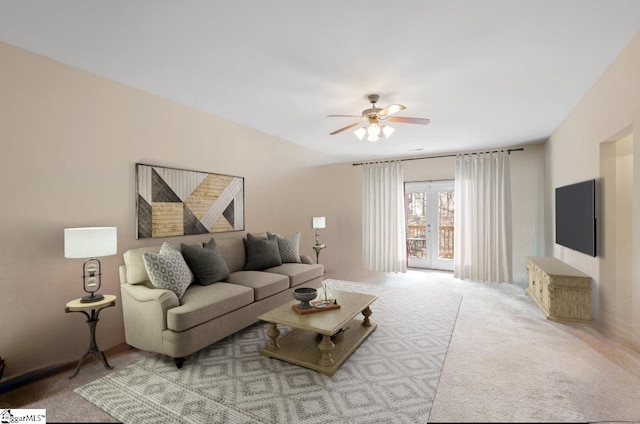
(576, 217)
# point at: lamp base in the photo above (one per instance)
(93, 297)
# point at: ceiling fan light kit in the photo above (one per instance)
(387, 130)
(373, 120)
(360, 132)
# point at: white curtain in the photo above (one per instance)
(383, 223)
(482, 238)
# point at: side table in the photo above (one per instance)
(318, 248)
(91, 311)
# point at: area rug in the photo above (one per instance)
(392, 377)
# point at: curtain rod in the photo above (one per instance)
(440, 156)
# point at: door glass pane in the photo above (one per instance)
(416, 225)
(446, 209)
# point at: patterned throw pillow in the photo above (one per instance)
(168, 270)
(289, 247)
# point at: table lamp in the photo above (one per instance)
(91, 243)
(318, 222)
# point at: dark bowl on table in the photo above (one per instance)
(304, 295)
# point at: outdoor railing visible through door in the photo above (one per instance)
(417, 246)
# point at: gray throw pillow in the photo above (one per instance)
(206, 263)
(289, 247)
(168, 270)
(261, 253)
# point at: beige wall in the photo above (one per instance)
(70, 140)
(614, 301)
(609, 112)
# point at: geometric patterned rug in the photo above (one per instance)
(391, 378)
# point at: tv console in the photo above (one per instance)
(561, 291)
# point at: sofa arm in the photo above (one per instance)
(144, 312)
(306, 260)
(142, 293)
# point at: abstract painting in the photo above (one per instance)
(177, 202)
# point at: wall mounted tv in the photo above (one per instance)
(576, 217)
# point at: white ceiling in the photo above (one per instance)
(488, 73)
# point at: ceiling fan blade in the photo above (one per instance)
(344, 116)
(421, 121)
(390, 110)
(345, 128)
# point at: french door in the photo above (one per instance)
(430, 209)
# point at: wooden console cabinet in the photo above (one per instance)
(561, 291)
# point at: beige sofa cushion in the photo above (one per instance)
(264, 284)
(233, 252)
(298, 273)
(136, 272)
(203, 303)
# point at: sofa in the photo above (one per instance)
(233, 281)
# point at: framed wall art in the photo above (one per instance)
(177, 202)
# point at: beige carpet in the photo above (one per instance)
(505, 363)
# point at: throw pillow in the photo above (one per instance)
(168, 270)
(289, 247)
(206, 263)
(261, 253)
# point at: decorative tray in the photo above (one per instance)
(317, 306)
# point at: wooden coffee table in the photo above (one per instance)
(321, 341)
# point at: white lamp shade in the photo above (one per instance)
(318, 222)
(373, 130)
(90, 242)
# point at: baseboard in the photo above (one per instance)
(31, 376)
(38, 374)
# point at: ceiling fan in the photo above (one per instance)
(373, 120)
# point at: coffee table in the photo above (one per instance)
(320, 341)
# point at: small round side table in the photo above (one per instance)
(318, 248)
(91, 311)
